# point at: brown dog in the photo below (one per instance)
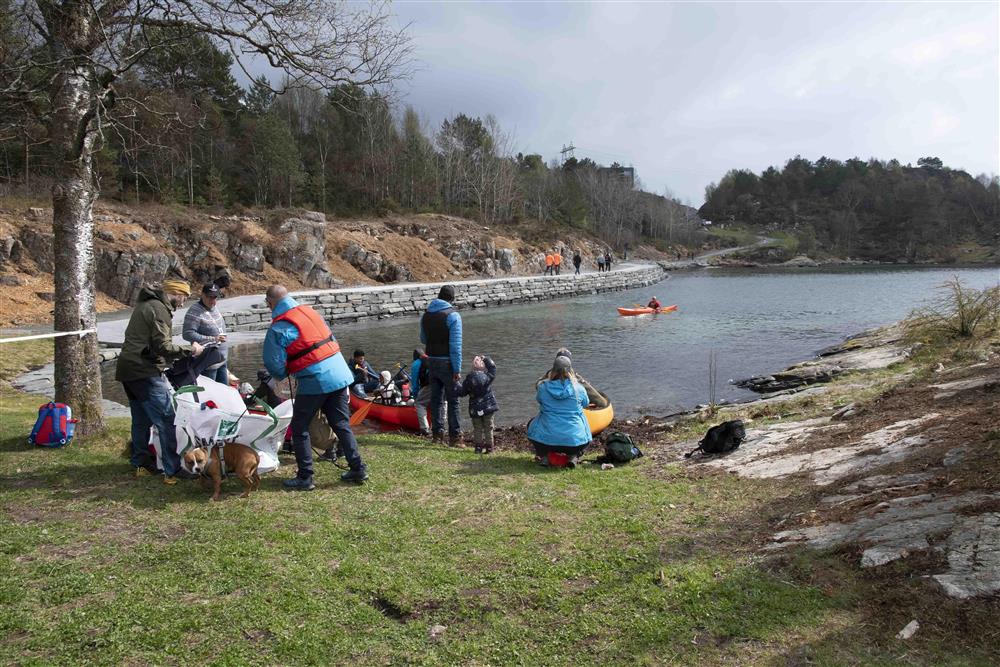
(241, 461)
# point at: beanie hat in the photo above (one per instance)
(447, 293)
(177, 287)
(564, 352)
(563, 364)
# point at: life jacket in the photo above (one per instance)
(315, 342)
(557, 259)
(438, 337)
(549, 260)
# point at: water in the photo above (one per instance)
(756, 321)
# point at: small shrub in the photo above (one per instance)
(960, 312)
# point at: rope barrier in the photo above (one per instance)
(55, 334)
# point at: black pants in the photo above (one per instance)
(336, 408)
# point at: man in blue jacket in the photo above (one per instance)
(299, 343)
(441, 334)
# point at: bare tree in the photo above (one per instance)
(62, 62)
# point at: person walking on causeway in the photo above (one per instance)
(146, 352)
(577, 261)
(441, 334)
(478, 386)
(299, 343)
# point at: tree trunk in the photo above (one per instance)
(77, 359)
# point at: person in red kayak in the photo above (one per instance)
(654, 303)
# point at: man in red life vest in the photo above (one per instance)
(299, 343)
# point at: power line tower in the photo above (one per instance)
(567, 152)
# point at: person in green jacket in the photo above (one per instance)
(147, 350)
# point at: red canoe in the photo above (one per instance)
(396, 415)
(646, 311)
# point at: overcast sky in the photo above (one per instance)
(686, 91)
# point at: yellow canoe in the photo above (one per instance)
(599, 418)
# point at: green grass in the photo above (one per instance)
(736, 236)
(17, 357)
(645, 564)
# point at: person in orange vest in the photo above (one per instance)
(557, 261)
(299, 343)
(549, 263)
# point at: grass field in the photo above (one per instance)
(443, 558)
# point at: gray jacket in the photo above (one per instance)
(202, 325)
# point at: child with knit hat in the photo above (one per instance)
(478, 386)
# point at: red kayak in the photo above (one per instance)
(396, 415)
(646, 311)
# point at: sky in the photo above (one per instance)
(687, 91)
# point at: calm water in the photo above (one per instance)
(756, 321)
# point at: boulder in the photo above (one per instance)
(302, 249)
(506, 259)
(368, 263)
(11, 281)
(247, 257)
(485, 266)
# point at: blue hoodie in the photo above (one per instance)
(560, 421)
(322, 377)
(454, 334)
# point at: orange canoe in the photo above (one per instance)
(646, 311)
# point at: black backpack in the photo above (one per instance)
(721, 439)
(619, 448)
(424, 374)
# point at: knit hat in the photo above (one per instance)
(177, 287)
(478, 364)
(564, 352)
(562, 364)
(447, 293)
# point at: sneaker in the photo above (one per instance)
(169, 481)
(456, 441)
(438, 438)
(357, 476)
(298, 484)
(142, 472)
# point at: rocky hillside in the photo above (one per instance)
(302, 249)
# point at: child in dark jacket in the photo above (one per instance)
(478, 386)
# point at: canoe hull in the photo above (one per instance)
(645, 311)
(395, 415)
(599, 418)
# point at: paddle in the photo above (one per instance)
(360, 415)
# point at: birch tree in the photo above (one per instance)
(64, 63)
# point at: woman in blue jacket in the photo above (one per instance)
(560, 425)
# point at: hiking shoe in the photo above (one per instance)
(357, 476)
(169, 481)
(142, 472)
(456, 441)
(298, 484)
(438, 438)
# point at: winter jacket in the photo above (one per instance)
(577, 260)
(203, 324)
(596, 398)
(454, 342)
(323, 377)
(478, 386)
(148, 348)
(560, 421)
(415, 368)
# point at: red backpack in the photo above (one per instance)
(54, 427)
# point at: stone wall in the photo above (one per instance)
(352, 305)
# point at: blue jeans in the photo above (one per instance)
(156, 410)
(336, 407)
(220, 374)
(443, 389)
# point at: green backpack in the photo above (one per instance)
(619, 448)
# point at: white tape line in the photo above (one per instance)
(55, 334)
